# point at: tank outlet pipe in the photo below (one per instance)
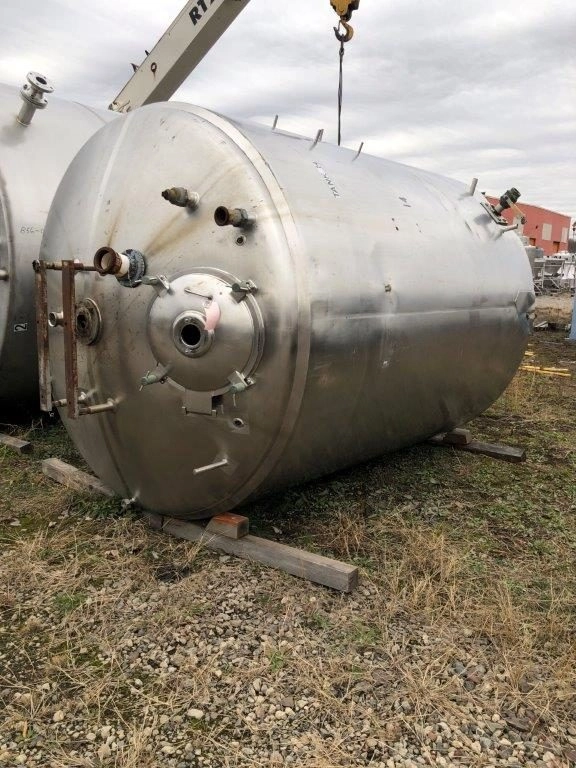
(33, 94)
(90, 410)
(235, 217)
(3, 274)
(183, 198)
(108, 262)
(128, 267)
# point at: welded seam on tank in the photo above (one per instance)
(426, 312)
(296, 250)
(97, 113)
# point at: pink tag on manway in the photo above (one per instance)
(212, 316)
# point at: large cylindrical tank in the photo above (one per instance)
(33, 159)
(357, 307)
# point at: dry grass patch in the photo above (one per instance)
(122, 647)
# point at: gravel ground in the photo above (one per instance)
(122, 647)
(210, 662)
(231, 666)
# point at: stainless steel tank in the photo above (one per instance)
(34, 153)
(303, 307)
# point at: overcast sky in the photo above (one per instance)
(478, 88)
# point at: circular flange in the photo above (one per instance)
(202, 332)
(39, 82)
(190, 334)
(88, 322)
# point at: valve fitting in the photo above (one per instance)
(183, 198)
(508, 199)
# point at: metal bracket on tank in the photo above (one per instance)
(160, 283)
(238, 383)
(199, 403)
(157, 376)
(67, 320)
(243, 288)
(493, 215)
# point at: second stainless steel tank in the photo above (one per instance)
(33, 158)
(302, 308)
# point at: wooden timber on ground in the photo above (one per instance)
(14, 444)
(494, 450)
(226, 533)
(67, 475)
(298, 562)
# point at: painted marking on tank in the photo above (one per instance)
(198, 10)
(327, 178)
(20, 327)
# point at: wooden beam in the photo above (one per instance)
(74, 478)
(298, 562)
(14, 444)
(494, 450)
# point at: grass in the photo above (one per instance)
(465, 560)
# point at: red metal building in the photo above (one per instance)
(546, 229)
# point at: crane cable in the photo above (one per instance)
(340, 92)
(342, 37)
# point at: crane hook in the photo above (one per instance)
(347, 35)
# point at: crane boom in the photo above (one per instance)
(198, 26)
(191, 35)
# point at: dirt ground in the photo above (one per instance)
(555, 309)
(120, 646)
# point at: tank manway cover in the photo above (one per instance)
(205, 330)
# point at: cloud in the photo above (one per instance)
(478, 89)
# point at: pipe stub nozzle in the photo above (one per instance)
(128, 267)
(235, 217)
(182, 197)
(107, 261)
(33, 94)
